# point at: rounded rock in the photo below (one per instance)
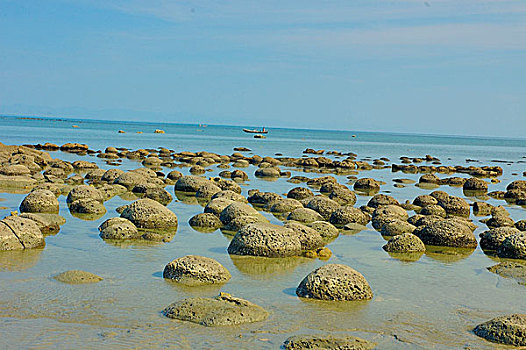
(196, 270)
(40, 201)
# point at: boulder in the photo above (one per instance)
(84, 192)
(299, 193)
(196, 270)
(391, 210)
(241, 221)
(191, 183)
(381, 200)
(230, 195)
(397, 227)
(492, 239)
(118, 229)
(223, 310)
(476, 185)
(285, 205)
(509, 329)
(262, 239)
(309, 238)
(425, 200)
(149, 214)
(447, 232)
(40, 201)
(237, 209)
(207, 221)
(304, 215)
(19, 233)
(513, 247)
(268, 172)
(335, 282)
(404, 243)
(323, 205)
(206, 191)
(217, 205)
(434, 209)
(49, 224)
(348, 214)
(327, 230)
(366, 185)
(455, 206)
(87, 206)
(343, 196)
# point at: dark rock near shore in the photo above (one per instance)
(207, 221)
(513, 247)
(509, 329)
(447, 232)
(304, 342)
(492, 239)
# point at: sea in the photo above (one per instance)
(431, 302)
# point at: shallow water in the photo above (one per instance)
(433, 302)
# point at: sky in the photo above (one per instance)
(436, 67)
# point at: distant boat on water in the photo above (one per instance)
(253, 131)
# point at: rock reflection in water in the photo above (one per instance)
(262, 267)
(406, 257)
(19, 260)
(448, 254)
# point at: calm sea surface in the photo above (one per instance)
(430, 303)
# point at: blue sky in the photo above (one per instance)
(441, 67)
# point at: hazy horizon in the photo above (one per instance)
(437, 67)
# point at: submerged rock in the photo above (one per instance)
(77, 277)
(196, 270)
(509, 329)
(335, 282)
(223, 310)
(304, 342)
(510, 269)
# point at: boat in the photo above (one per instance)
(253, 131)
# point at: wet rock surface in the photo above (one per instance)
(223, 310)
(509, 329)
(77, 277)
(303, 342)
(195, 270)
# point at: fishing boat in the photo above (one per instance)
(253, 131)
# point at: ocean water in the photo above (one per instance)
(433, 302)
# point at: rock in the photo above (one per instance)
(429, 179)
(241, 221)
(223, 310)
(304, 215)
(476, 185)
(391, 210)
(299, 193)
(196, 270)
(304, 342)
(262, 239)
(510, 269)
(237, 209)
(517, 185)
(435, 209)
(217, 205)
(285, 205)
(118, 229)
(111, 175)
(109, 191)
(425, 200)
(84, 192)
(327, 230)
(323, 205)
(381, 200)
(263, 198)
(15, 170)
(19, 233)
(500, 221)
(397, 227)
(379, 221)
(492, 239)
(449, 233)
(335, 282)
(455, 206)
(174, 175)
(482, 208)
(309, 238)
(521, 225)
(45, 223)
(77, 277)
(343, 196)
(149, 214)
(207, 221)
(230, 195)
(197, 170)
(95, 174)
(83, 165)
(239, 175)
(191, 183)
(268, 172)
(509, 329)
(439, 195)
(158, 194)
(404, 243)
(348, 214)
(131, 179)
(513, 247)
(366, 185)
(87, 206)
(40, 201)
